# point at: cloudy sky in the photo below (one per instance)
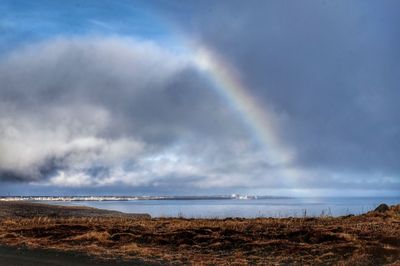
(200, 97)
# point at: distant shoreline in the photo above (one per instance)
(131, 198)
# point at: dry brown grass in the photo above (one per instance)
(371, 239)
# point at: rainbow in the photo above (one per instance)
(228, 84)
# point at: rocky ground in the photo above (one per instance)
(369, 239)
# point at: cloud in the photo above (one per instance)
(59, 98)
(99, 111)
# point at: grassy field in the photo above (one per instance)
(370, 239)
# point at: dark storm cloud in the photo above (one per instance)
(332, 67)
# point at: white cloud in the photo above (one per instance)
(71, 180)
(47, 111)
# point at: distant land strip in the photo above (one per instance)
(128, 198)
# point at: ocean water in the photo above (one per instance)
(279, 207)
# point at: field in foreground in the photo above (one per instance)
(370, 239)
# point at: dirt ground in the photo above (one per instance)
(370, 239)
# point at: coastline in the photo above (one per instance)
(25, 209)
(368, 239)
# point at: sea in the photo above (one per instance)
(243, 208)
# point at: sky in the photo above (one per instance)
(293, 98)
